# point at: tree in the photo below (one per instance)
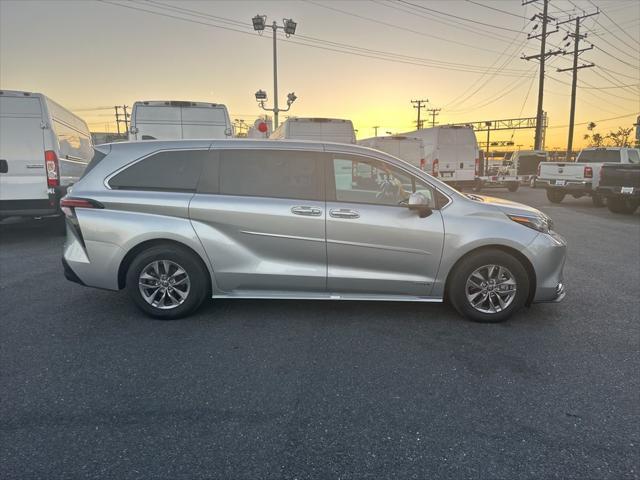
(620, 138)
(595, 139)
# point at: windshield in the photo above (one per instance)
(599, 156)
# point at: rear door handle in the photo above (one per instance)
(343, 213)
(306, 211)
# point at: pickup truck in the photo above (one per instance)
(580, 178)
(620, 185)
(519, 169)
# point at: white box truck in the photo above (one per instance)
(409, 149)
(318, 129)
(450, 153)
(44, 148)
(176, 120)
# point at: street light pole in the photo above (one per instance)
(289, 27)
(275, 77)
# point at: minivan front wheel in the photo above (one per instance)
(488, 286)
(167, 282)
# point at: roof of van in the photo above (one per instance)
(316, 119)
(19, 93)
(177, 103)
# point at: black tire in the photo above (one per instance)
(597, 200)
(197, 275)
(513, 186)
(457, 282)
(555, 196)
(625, 206)
(477, 186)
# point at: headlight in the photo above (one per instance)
(539, 223)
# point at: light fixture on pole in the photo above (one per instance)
(289, 27)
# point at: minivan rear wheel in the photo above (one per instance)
(167, 282)
(488, 286)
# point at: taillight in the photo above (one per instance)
(69, 204)
(53, 169)
(588, 172)
(477, 167)
(422, 164)
(435, 168)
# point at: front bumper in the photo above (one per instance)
(547, 254)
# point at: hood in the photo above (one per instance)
(506, 206)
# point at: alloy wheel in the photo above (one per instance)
(164, 284)
(491, 289)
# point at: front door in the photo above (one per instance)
(375, 244)
(260, 215)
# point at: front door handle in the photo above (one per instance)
(306, 211)
(343, 213)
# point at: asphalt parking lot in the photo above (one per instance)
(91, 388)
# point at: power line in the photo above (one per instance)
(460, 18)
(340, 47)
(443, 20)
(615, 23)
(600, 120)
(400, 27)
(497, 9)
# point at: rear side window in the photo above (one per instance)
(599, 156)
(173, 171)
(273, 173)
(634, 156)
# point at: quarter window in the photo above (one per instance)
(176, 171)
(278, 174)
(634, 157)
(363, 180)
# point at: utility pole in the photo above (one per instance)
(126, 117)
(419, 104)
(545, 18)
(433, 112)
(574, 82)
(117, 108)
(375, 129)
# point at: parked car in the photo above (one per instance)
(316, 129)
(450, 153)
(580, 178)
(619, 183)
(176, 222)
(175, 120)
(519, 169)
(409, 149)
(44, 148)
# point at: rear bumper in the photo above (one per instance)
(569, 186)
(38, 207)
(69, 274)
(547, 254)
(28, 208)
(617, 192)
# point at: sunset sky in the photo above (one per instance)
(362, 60)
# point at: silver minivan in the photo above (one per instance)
(175, 222)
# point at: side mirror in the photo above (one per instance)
(420, 203)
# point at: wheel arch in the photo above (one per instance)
(526, 263)
(134, 251)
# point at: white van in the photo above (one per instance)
(409, 149)
(176, 120)
(318, 129)
(450, 152)
(44, 148)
